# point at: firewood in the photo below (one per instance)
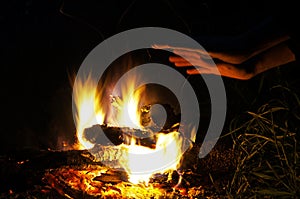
(98, 135)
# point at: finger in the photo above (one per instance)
(176, 59)
(223, 69)
(192, 53)
(178, 49)
(197, 50)
(157, 46)
(197, 71)
(181, 62)
(184, 53)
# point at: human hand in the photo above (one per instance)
(202, 62)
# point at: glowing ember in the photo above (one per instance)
(140, 162)
(83, 180)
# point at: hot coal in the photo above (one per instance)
(112, 176)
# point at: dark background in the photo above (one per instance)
(44, 42)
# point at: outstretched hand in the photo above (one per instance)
(202, 62)
(270, 54)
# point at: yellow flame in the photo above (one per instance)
(88, 110)
(142, 162)
(127, 108)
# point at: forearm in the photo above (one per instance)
(278, 55)
(270, 43)
(239, 57)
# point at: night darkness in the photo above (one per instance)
(43, 43)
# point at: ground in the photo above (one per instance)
(43, 44)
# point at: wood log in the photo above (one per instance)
(98, 134)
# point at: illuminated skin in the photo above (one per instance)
(272, 53)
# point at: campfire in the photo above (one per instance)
(129, 144)
(133, 155)
(150, 113)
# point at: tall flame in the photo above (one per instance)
(88, 110)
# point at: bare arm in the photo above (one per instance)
(242, 56)
(266, 56)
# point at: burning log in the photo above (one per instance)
(147, 120)
(110, 154)
(117, 135)
(122, 135)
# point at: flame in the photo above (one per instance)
(127, 112)
(88, 110)
(140, 162)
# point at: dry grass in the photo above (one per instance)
(266, 150)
